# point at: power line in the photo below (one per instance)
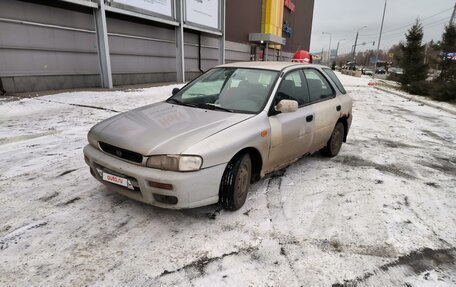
(423, 19)
(394, 36)
(411, 24)
(402, 33)
(428, 25)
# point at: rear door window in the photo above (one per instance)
(335, 79)
(320, 89)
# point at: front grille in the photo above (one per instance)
(122, 153)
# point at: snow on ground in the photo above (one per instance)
(382, 213)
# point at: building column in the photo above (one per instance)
(103, 45)
(180, 48)
(222, 29)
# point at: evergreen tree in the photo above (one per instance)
(448, 45)
(433, 54)
(445, 86)
(415, 71)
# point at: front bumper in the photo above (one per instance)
(192, 189)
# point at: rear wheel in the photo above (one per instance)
(334, 144)
(236, 182)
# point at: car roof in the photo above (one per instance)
(267, 65)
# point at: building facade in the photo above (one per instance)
(46, 45)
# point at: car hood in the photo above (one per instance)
(163, 128)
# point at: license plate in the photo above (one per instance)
(115, 179)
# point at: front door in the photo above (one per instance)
(291, 133)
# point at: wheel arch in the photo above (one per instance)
(257, 161)
(344, 121)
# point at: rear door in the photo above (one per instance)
(325, 105)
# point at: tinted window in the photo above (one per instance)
(319, 87)
(293, 87)
(335, 79)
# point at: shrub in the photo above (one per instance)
(394, 77)
(443, 91)
(421, 88)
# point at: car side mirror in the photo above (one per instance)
(287, 106)
(175, 91)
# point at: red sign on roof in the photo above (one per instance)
(290, 5)
(302, 56)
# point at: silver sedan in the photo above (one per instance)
(222, 131)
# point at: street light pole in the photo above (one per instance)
(329, 48)
(356, 42)
(379, 40)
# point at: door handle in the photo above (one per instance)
(309, 118)
(338, 108)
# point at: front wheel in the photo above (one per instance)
(235, 182)
(334, 144)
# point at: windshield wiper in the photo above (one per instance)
(211, 106)
(173, 101)
(177, 102)
(208, 106)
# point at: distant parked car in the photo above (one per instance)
(222, 131)
(380, 70)
(395, 71)
(368, 72)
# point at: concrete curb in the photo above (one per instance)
(414, 98)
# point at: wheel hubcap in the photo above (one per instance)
(336, 141)
(243, 181)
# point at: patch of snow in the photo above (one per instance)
(389, 193)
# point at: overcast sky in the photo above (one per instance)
(343, 18)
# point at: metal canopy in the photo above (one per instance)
(267, 38)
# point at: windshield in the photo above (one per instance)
(228, 89)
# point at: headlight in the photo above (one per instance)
(175, 162)
(92, 139)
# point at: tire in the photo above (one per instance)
(235, 182)
(334, 144)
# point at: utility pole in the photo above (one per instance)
(329, 50)
(425, 52)
(337, 49)
(453, 16)
(354, 46)
(379, 40)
